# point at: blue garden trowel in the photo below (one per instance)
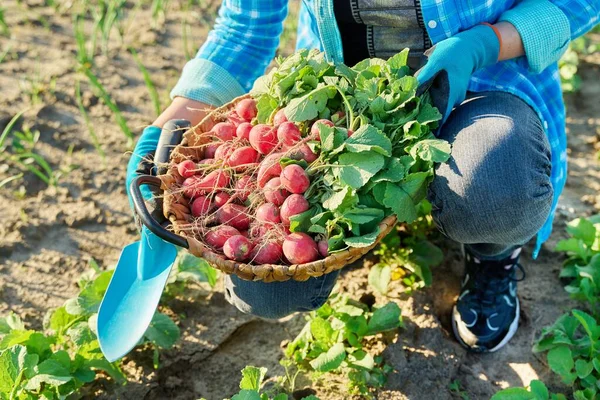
(143, 267)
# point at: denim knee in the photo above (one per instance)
(496, 188)
(278, 299)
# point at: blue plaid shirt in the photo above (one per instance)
(246, 35)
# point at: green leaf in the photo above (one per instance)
(247, 395)
(252, 378)
(357, 325)
(428, 114)
(385, 318)
(539, 390)
(583, 229)
(361, 359)
(363, 240)
(51, 372)
(301, 222)
(363, 215)
(369, 138)
(435, 150)
(415, 184)
(400, 203)
(341, 200)
(330, 360)
(379, 277)
(589, 324)
(61, 320)
(162, 332)
(331, 138)
(398, 61)
(192, 268)
(13, 362)
(322, 331)
(561, 361)
(12, 322)
(583, 368)
(15, 337)
(91, 295)
(80, 333)
(357, 168)
(394, 171)
(517, 393)
(426, 253)
(310, 105)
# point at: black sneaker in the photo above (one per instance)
(486, 314)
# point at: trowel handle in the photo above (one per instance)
(171, 135)
(144, 215)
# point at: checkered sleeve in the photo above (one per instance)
(237, 51)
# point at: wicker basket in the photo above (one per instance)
(177, 210)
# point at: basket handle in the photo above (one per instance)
(144, 215)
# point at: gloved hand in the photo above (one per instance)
(142, 160)
(450, 63)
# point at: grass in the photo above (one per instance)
(85, 49)
(4, 30)
(159, 8)
(4, 54)
(35, 87)
(148, 81)
(88, 122)
(185, 27)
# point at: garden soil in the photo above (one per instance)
(49, 234)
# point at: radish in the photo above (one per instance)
(207, 161)
(216, 237)
(242, 156)
(323, 247)
(235, 119)
(263, 138)
(314, 129)
(274, 192)
(350, 132)
(303, 152)
(299, 248)
(279, 117)
(213, 181)
(201, 206)
(243, 130)
(269, 168)
(246, 109)
(243, 187)
(237, 248)
(268, 213)
(189, 186)
(294, 179)
(266, 253)
(224, 131)
(221, 198)
(294, 204)
(234, 215)
(288, 134)
(224, 151)
(258, 230)
(186, 168)
(211, 149)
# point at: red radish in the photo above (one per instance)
(294, 179)
(299, 248)
(303, 152)
(266, 253)
(294, 204)
(246, 109)
(224, 151)
(216, 237)
(224, 131)
(268, 212)
(235, 119)
(237, 248)
(243, 130)
(196, 185)
(258, 231)
(350, 132)
(243, 187)
(189, 186)
(274, 192)
(263, 138)
(234, 215)
(207, 161)
(269, 168)
(221, 198)
(314, 129)
(201, 206)
(336, 116)
(323, 247)
(186, 168)
(245, 233)
(242, 156)
(211, 149)
(288, 134)
(279, 117)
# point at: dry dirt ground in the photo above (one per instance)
(48, 234)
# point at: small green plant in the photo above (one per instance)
(148, 81)
(457, 390)
(88, 121)
(252, 383)
(189, 269)
(34, 86)
(406, 255)
(332, 341)
(537, 391)
(159, 12)
(86, 48)
(4, 30)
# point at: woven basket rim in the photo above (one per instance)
(175, 212)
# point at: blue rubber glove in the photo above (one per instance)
(141, 161)
(451, 63)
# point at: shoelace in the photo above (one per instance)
(491, 281)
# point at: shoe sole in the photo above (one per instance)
(511, 331)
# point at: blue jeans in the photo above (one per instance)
(493, 195)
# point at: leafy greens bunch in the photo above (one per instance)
(378, 158)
